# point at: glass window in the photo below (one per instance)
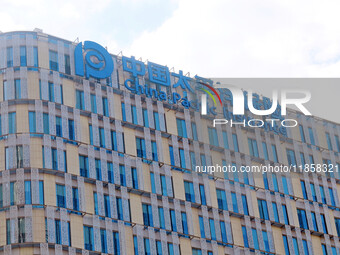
(154, 151)
(213, 139)
(12, 127)
(35, 57)
(88, 238)
(245, 205)
(103, 240)
(28, 193)
(21, 230)
(291, 157)
(302, 134)
(23, 58)
(93, 103)
(296, 247)
(181, 128)
(134, 115)
(245, 237)
(236, 148)
(263, 209)
(265, 241)
(156, 120)
(315, 225)
(9, 52)
(253, 149)
(329, 141)
(17, 88)
(201, 222)
(323, 221)
(305, 247)
(75, 196)
(302, 218)
(184, 223)
(212, 229)
(60, 191)
(54, 60)
(71, 129)
(140, 145)
(311, 136)
(105, 107)
(275, 212)
(173, 220)
(225, 140)
(147, 215)
(134, 178)
(122, 175)
(116, 245)
(265, 151)
(84, 166)
(161, 217)
(46, 123)
(234, 201)
(202, 193)
(98, 169)
(194, 131)
(285, 214)
(275, 159)
(119, 208)
(337, 141)
(221, 199)
(223, 232)
(67, 64)
(189, 191)
(145, 118)
(285, 243)
(59, 127)
(32, 122)
(255, 239)
(80, 100)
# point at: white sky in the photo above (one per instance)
(244, 38)
(215, 38)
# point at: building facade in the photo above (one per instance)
(88, 166)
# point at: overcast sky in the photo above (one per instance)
(215, 38)
(211, 38)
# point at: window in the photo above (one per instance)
(35, 57)
(135, 178)
(80, 100)
(32, 122)
(275, 159)
(196, 251)
(329, 141)
(140, 145)
(147, 215)
(12, 123)
(213, 139)
(88, 238)
(285, 184)
(302, 218)
(234, 201)
(182, 158)
(223, 232)
(75, 196)
(122, 175)
(331, 196)
(265, 241)
(202, 193)
(110, 172)
(134, 114)
(245, 237)
(145, 117)
(263, 209)
(46, 123)
(8, 231)
(154, 151)
(189, 191)
(60, 191)
(285, 214)
(194, 131)
(212, 229)
(296, 247)
(161, 217)
(201, 222)
(84, 166)
(54, 60)
(59, 127)
(147, 246)
(28, 193)
(17, 89)
(116, 245)
(305, 247)
(245, 205)
(71, 129)
(107, 208)
(184, 223)
(315, 225)
(324, 225)
(303, 161)
(253, 150)
(285, 243)
(181, 128)
(173, 220)
(337, 225)
(225, 140)
(9, 157)
(291, 157)
(105, 107)
(21, 230)
(156, 120)
(67, 64)
(255, 238)
(311, 136)
(13, 193)
(93, 103)
(322, 193)
(302, 134)
(119, 208)
(158, 247)
(103, 240)
(98, 169)
(114, 140)
(235, 143)
(23, 58)
(9, 52)
(337, 141)
(312, 187)
(265, 151)
(193, 160)
(275, 212)
(221, 199)
(57, 232)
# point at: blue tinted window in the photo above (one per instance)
(28, 193)
(262, 204)
(189, 191)
(202, 193)
(275, 212)
(245, 237)
(274, 154)
(255, 238)
(225, 140)
(302, 218)
(145, 118)
(302, 134)
(32, 122)
(221, 199)
(234, 201)
(54, 60)
(285, 243)
(105, 107)
(161, 217)
(303, 188)
(236, 149)
(201, 222)
(212, 229)
(311, 136)
(194, 131)
(173, 220)
(213, 139)
(93, 103)
(265, 151)
(184, 223)
(88, 238)
(181, 128)
(245, 205)
(23, 57)
(147, 215)
(285, 214)
(35, 57)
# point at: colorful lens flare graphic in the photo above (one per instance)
(209, 93)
